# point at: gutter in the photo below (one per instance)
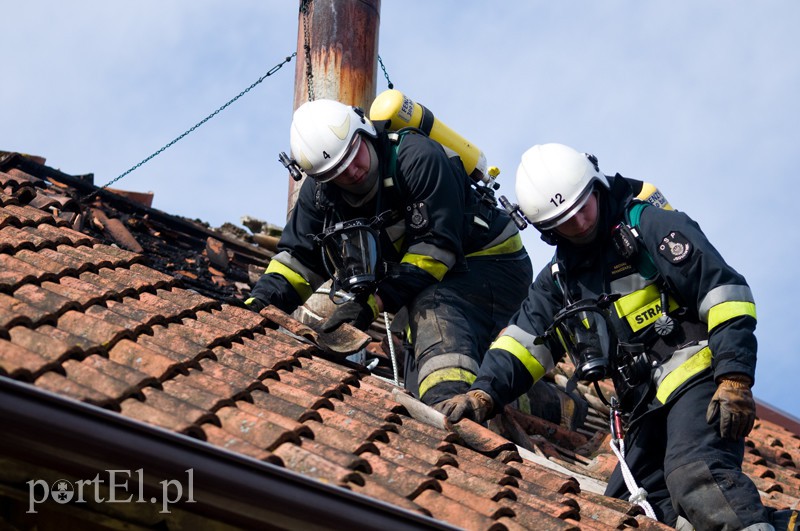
(82, 440)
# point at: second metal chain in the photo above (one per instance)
(201, 122)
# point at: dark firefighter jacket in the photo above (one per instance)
(711, 303)
(437, 221)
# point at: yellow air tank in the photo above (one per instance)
(653, 195)
(402, 112)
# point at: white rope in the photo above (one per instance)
(390, 340)
(638, 494)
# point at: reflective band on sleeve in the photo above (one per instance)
(445, 375)
(510, 245)
(694, 365)
(515, 348)
(434, 267)
(437, 253)
(447, 361)
(720, 294)
(728, 310)
(300, 284)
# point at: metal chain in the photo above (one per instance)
(305, 8)
(198, 124)
(385, 73)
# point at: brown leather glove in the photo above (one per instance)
(474, 405)
(735, 405)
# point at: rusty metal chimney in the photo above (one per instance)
(340, 63)
(343, 41)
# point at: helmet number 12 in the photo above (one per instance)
(557, 199)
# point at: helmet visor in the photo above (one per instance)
(565, 216)
(338, 169)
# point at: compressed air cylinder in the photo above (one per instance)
(653, 195)
(402, 112)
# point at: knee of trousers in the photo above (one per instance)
(723, 499)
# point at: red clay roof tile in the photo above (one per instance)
(272, 402)
(340, 439)
(255, 430)
(15, 273)
(160, 400)
(301, 460)
(47, 299)
(443, 508)
(58, 383)
(142, 411)
(334, 455)
(21, 363)
(97, 331)
(14, 311)
(272, 359)
(223, 439)
(181, 387)
(145, 360)
(302, 381)
(105, 282)
(13, 239)
(45, 345)
(296, 395)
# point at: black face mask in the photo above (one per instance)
(584, 330)
(351, 255)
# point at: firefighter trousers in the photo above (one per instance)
(688, 469)
(453, 322)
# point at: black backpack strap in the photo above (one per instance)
(644, 262)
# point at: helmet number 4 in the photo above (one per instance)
(557, 199)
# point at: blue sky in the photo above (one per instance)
(699, 97)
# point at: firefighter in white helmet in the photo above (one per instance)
(637, 294)
(396, 222)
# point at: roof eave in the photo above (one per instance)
(81, 439)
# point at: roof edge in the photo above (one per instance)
(778, 416)
(81, 439)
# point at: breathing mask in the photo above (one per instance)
(351, 255)
(584, 330)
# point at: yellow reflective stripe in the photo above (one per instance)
(373, 303)
(632, 302)
(697, 363)
(641, 308)
(515, 348)
(300, 284)
(728, 310)
(511, 245)
(451, 374)
(427, 264)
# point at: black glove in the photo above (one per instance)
(474, 405)
(255, 304)
(358, 312)
(735, 405)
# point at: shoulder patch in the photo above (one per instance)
(418, 216)
(675, 247)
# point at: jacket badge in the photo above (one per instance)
(675, 247)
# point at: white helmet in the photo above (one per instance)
(553, 182)
(323, 137)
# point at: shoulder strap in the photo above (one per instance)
(644, 262)
(394, 139)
